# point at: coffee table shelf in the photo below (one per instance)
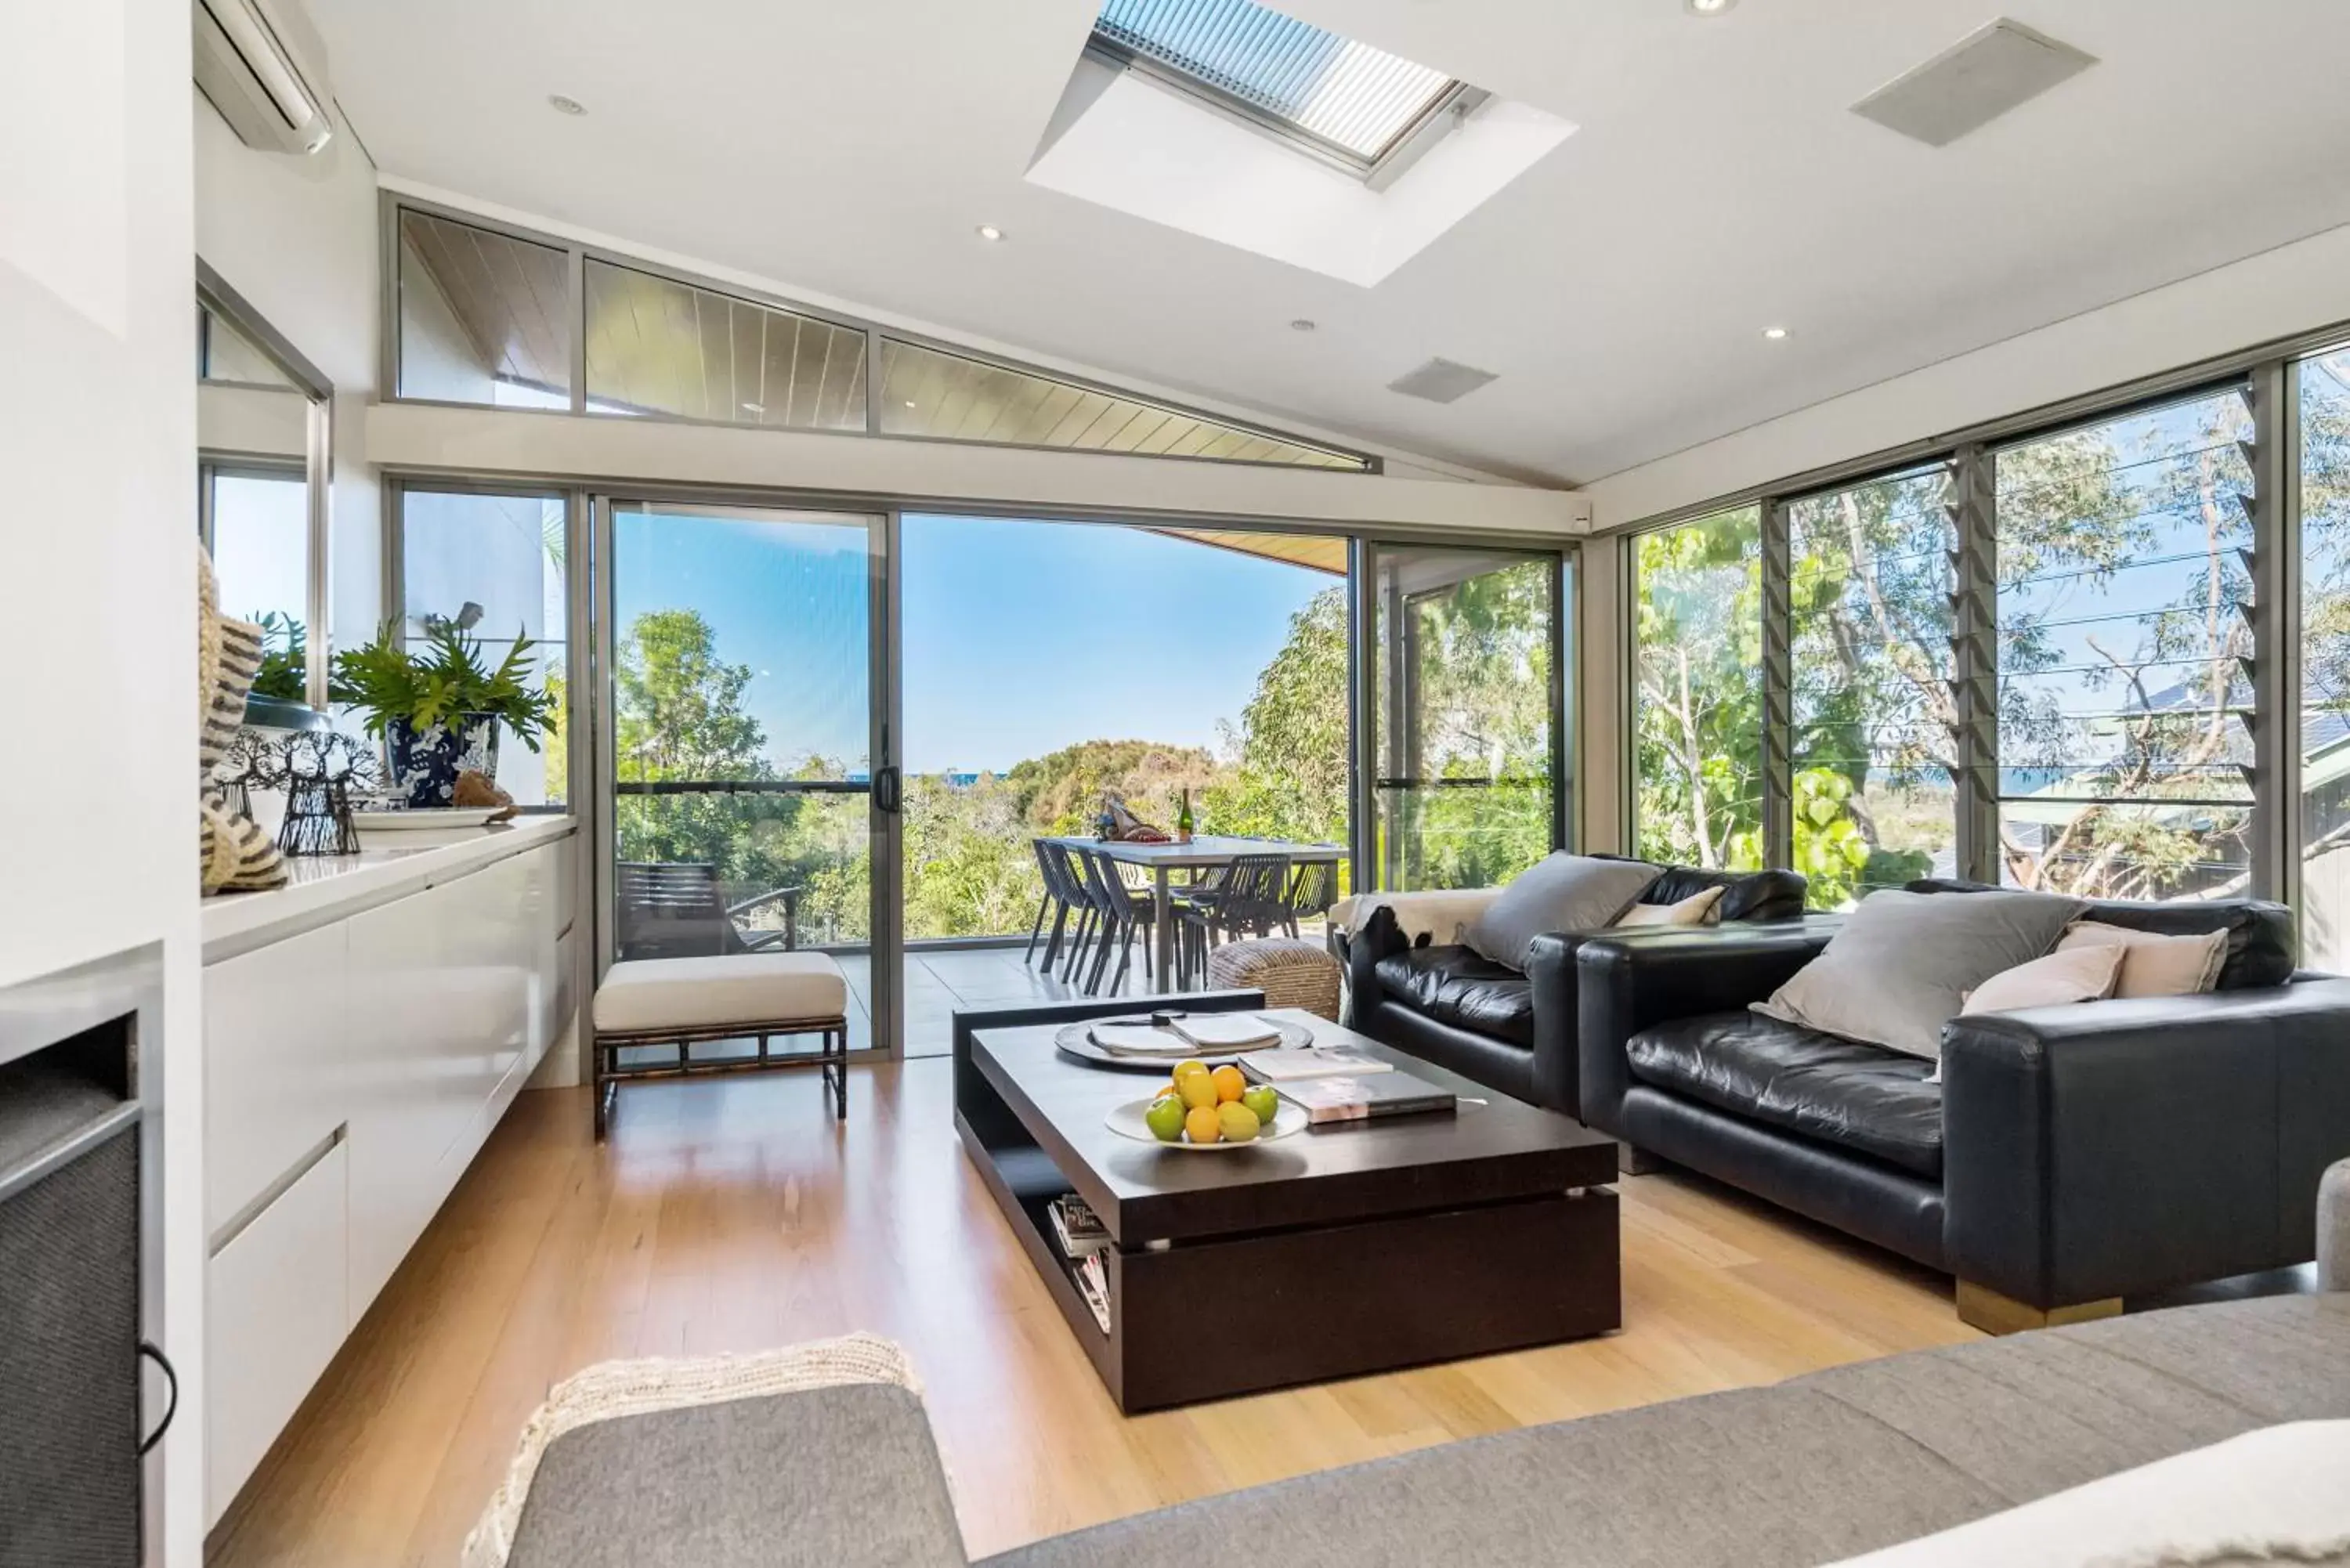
(1332, 1254)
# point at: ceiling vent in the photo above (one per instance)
(261, 64)
(1965, 86)
(1440, 381)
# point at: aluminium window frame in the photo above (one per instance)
(1441, 114)
(2266, 375)
(391, 203)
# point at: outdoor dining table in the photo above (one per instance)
(1206, 852)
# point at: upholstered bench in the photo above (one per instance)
(687, 1001)
(1290, 970)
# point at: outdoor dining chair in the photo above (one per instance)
(1251, 902)
(1121, 914)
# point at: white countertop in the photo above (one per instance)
(323, 888)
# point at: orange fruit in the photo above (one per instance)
(1202, 1125)
(1230, 1085)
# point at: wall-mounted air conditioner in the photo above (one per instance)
(263, 66)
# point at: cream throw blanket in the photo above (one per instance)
(1443, 918)
(2275, 1496)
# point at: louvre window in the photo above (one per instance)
(1348, 97)
(2124, 642)
(1872, 734)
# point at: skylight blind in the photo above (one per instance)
(1356, 97)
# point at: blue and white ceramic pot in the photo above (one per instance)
(425, 762)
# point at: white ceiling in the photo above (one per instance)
(1717, 185)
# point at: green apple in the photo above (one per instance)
(1165, 1119)
(1260, 1098)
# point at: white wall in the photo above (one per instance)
(97, 563)
(2294, 288)
(600, 448)
(296, 237)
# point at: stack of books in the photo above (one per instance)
(1341, 1083)
(1093, 1283)
(1077, 1227)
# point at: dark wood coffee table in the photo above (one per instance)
(1330, 1253)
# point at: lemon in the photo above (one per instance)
(1229, 1083)
(1203, 1124)
(1199, 1091)
(1185, 1069)
(1235, 1121)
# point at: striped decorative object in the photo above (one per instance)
(235, 854)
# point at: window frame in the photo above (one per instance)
(393, 204)
(2266, 376)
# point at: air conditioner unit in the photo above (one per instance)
(263, 66)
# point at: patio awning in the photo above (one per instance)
(1319, 550)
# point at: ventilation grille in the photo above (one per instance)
(1965, 86)
(1440, 381)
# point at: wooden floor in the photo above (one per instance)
(734, 1214)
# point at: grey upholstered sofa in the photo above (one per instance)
(1811, 1471)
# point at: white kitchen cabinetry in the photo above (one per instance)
(355, 1063)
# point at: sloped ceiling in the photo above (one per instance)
(1717, 185)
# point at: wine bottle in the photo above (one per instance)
(1183, 819)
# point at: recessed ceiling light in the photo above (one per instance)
(1301, 324)
(910, 402)
(562, 105)
(1774, 333)
(1708, 7)
(989, 232)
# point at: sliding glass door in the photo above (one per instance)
(1466, 689)
(751, 785)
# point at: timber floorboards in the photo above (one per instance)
(735, 1214)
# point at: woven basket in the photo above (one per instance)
(1290, 970)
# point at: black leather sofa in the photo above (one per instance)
(1514, 1032)
(2070, 1157)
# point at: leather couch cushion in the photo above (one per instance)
(1454, 985)
(1865, 1098)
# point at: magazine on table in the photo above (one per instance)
(1093, 1283)
(1330, 1100)
(1293, 1062)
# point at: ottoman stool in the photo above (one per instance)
(1290, 970)
(682, 1003)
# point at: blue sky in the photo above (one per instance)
(1020, 636)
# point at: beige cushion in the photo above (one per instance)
(2068, 975)
(2153, 965)
(702, 992)
(1696, 909)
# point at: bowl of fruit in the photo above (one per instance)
(1200, 1111)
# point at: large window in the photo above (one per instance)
(2324, 382)
(1698, 693)
(489, 317)
(1873, 724)
(2124, 650)
(257, 522)
(496, 565)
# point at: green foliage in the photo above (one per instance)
(447, 681)
(285, 672)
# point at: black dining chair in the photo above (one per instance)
(1312, 891)
(1251, 902)
(1061, 900)
(1121, 914)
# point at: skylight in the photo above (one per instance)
(1348, 99)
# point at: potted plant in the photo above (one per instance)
(438, 709)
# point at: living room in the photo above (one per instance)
(1341, 772)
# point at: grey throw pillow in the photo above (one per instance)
(1561, 892)
(1904, 962)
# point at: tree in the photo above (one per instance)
(1289, 769)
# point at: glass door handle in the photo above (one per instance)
(889, 791)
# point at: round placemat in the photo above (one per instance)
(1075, 1040)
